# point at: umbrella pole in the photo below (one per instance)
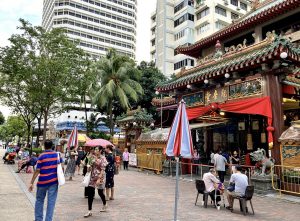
(176, 188)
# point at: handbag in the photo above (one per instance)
(231, 187)
(86, 179)
(60, 173)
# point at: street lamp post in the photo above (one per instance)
(157, 93)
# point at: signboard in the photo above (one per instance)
(290, 155)
(216, 95)
(193, 100)
(132, 159)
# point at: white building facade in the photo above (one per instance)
(183, 22)
(97, 24)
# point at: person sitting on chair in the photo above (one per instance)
(31, 162)
(240, 184)
(211, 185)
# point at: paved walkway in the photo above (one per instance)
(139, 197)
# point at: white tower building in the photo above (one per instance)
(183, 22)
(98, 24)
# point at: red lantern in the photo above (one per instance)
(270, 129)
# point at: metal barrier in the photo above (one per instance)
(286, 179)
(196, 171)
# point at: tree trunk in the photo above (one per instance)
(45, 124)
(110, 119)
(39, 120)
(86, 119)
(28, 135)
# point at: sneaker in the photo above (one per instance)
(104, 208)
(88, 214)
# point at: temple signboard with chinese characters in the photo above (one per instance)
(216, 95)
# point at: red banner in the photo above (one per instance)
(260, 106)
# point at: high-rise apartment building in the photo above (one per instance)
(183, 22)
(98, 24)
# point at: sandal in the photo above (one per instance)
(111, 198)
(88, 214)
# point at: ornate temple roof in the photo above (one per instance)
(260, 13)
(138, 116)
(235, 59)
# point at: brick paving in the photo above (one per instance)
(142, 196)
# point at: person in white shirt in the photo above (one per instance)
(211, 185)
(241, 182)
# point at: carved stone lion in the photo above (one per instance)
(262, 162)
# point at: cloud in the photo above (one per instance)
(12, 10)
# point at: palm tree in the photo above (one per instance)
(116, 82)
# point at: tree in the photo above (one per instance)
(151, 76)
(117, 79)
(2, 119)
(14, 126)
(39, 72)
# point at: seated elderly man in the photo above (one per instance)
(211, 185)
(241, 182)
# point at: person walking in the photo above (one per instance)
(47, 183)
(125, 159)
(110, 172)
(220, 162)
(97, 164)
(71, 166)
(79, 159)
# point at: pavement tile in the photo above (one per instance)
(143, 196)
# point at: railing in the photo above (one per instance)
(286, 179)
(193, 171)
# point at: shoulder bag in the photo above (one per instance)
(60, 173)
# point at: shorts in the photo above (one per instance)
(234, 194)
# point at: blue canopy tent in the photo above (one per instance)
(69, 125)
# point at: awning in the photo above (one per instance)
(200, 125)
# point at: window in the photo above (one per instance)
(220, 11)
(179, 7)
(153, 42)
(243, 6)
(203, 28)
(203, 13)
(234, 2)
(183, 19)
(220, 25)
(183, 63)
(234, 16)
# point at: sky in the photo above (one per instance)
(31, 10)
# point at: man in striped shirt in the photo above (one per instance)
(47, 183)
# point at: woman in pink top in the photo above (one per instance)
(125, 159)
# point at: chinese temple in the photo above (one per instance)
(245, 89)
(133, 123)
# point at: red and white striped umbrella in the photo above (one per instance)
(180, 140)
(73, 138)
(179, 144)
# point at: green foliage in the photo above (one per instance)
(38, 151)
(2, 119)
(116, 82)
(101, 135)
(14, 126)
(39, 72)
(151, 76)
